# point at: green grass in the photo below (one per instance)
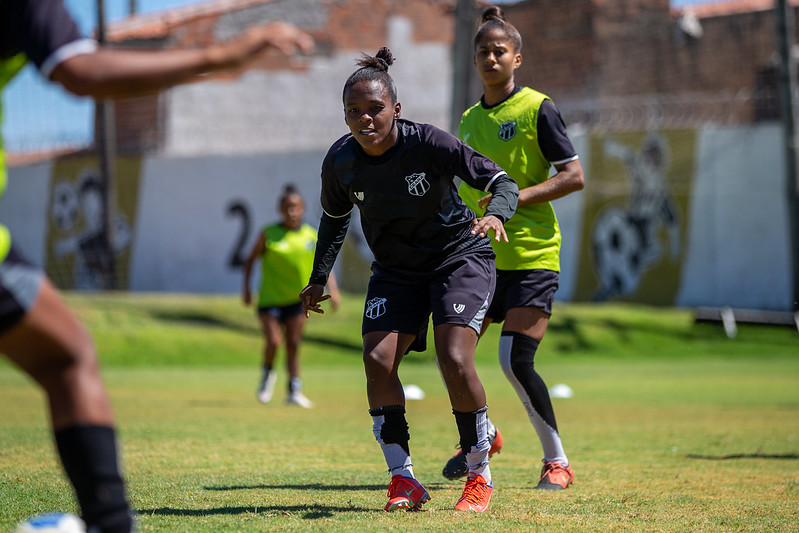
(672, 427)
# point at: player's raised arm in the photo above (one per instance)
(113, 72)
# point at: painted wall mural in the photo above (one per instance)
(80, 252)
(637, 192)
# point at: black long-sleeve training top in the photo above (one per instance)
(411, 214)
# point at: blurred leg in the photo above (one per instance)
(294, 329)
(55, 350)
(273, 337)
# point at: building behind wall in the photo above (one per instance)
(611, 65)
(278, 103)
(690, 93)
(625, 65)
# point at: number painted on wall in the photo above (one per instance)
(238, 254)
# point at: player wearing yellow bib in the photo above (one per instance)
(521, 129)
(286, 251)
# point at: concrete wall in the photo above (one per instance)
(707, 227)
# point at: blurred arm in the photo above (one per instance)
(110, 72)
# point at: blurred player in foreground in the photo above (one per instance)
(521, 129)
(286, 251)
(37, 330)
(431, 255)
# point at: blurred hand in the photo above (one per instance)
(246, 297)
(483, 202)
(239, 50)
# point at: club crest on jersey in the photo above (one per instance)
(375, 307)
(507, 130)
(359, 195)
(417, 184)
(459, 308)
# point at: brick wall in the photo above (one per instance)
(595, 53)
(622, 58)
(342, 28)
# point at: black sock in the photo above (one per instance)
(89, 456)
(467, 428)
(522, 364)
(394, 429)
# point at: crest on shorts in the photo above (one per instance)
(375, 307)
(417, 184)
(359, 195)
(507, 130)
(459, 308)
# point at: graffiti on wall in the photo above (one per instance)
(83, 252)
(637, 196)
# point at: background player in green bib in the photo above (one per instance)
(38, 332)
(286, 251)
(521, 129)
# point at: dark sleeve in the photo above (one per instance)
(335, 198)
(337, 210)
(552, 137)
(42, 28)
(504, 197)
(330, 238)
(450, 156)
(476, 170)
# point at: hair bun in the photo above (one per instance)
(493, 13)
(385, 57)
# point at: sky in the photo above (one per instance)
(40, 115)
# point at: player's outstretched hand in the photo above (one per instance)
(311, 297)
(481, 226)
(280, 35)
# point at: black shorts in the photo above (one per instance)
(20, 283)
(282, 313)
(523, 288)
(456, 293)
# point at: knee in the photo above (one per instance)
(292, 345)
(273, 341)
(517, 353)
(452, 366)
(376, 360)
(73, 362)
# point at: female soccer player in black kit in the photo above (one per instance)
(432, 255)
(37, 330)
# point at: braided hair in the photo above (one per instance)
(374, 68)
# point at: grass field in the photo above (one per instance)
(672, 426)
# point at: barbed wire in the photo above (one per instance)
(589, 116)
(667, 111)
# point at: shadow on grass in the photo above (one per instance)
(198, 318)
(756, 455)
(568, 333)
(313, 511)
(306, 486)
(338, 343)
